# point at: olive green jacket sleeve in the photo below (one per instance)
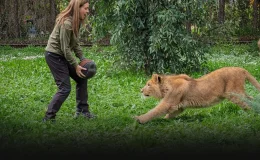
(62, 41)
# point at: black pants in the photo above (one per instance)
(62, 71)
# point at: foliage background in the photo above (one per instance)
(170, 36)
(154, 36)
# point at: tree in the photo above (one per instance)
(256, 14)
(243, 9)
(152, 34)
(17, 17)
(221, 14)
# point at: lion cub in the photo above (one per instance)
(178, 92)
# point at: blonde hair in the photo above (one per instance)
(72, 10)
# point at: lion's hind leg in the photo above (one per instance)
(238, 99)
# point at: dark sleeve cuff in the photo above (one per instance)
(82, 58)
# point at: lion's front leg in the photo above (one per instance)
(161, 109)
(174, 111)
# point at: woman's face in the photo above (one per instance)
(83, 10)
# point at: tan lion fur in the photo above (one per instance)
(178, 92)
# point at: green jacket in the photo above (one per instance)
(62, 41)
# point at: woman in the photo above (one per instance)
(62, 42)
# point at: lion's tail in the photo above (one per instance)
(252, 80)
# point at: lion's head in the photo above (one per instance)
(152, 87)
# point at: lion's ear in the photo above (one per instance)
(156, 78)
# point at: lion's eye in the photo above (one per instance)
(148, 84)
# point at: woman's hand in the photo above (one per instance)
(78, 71)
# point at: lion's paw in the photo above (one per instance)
(138, 119)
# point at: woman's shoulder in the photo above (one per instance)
(68, 22)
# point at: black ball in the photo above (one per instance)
(91, 67)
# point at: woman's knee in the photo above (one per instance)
(65, 91)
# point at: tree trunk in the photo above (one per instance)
(188, 23)
(255, 14)
(221, 14)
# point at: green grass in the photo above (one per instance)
(114, 96)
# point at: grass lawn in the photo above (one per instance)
(114, 96)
